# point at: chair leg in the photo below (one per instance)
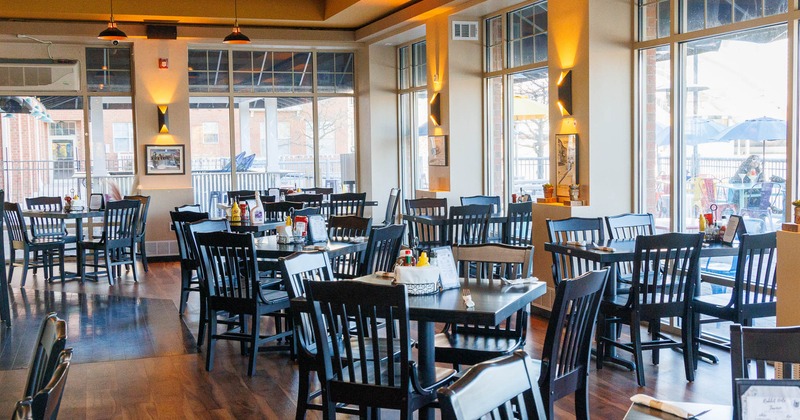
(203, 321)
(256, 324)
(13, 260)
(302, 392)
(689, 354)
(243, 330)
(143, 253)
(636, 339)
(655, 329)
(582, 402)
(328, 406)
(133, 264)
(61, 263)
(186, 278)
(36, 258)
(212, 329)
(599, 343)
(109, 269)
(25, 262)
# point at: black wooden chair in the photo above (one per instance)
(306, 211)
(518, 229)
(564, 365)
(664, 272)
(46, 402)
(348, 204)
(383, 249)
(628, 226)
(190, 229)
(491, 200)
(385, 380)
(423, 235)
(50, 341)
(309, 200)
(754, 288)
(573, 229)
(468, 225)
(141, 226)
(116, 245)
(189, 207)
(51, 248)
(392, 204)
(469, 343)
(477, 394)
(229, 267)
(280, 209)
(761, 347)
(189, 262)
(241, 195)
(348, 266)
(48, 226)
(297, 269)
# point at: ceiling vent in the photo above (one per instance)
(465, 31)
(40, 75)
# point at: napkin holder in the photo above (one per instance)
(418, 280)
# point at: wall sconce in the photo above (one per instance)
(436, 110)
(163, 120)
(565, 93)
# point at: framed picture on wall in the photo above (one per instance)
(566, 162)
(437, 151)
(165, 159)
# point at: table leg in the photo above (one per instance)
(426, 366)
(611, 330)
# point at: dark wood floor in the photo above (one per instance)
(135, 358)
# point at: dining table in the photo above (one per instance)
(247, 227)
(494, 302)
(624, 251)
(268, 247)
(709, 411)
(78, 216)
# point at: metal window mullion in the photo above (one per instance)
(231, 123)
(315, 120)
(507, 127)
(677, 157)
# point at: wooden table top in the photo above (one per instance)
(78, 214)
(267, 247)
(625, 249)
(244, 227)
(494, 302)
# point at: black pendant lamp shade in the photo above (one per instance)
(236, 37)
(112, 33)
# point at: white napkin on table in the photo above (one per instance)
(529, 280)
(651, 402)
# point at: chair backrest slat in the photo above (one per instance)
(574, 229)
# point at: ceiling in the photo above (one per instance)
(333, 14)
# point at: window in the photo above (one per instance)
(654, 19)
(285, 133)
(211, 132)
(51, 155)
(516, 105)
(702, 14)
(413, 117)
(123, 137)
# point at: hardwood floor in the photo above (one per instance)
(117, 374)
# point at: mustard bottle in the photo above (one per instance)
(702, 223)
(236, 212)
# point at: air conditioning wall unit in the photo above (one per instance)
(40, 75)
(465, 31)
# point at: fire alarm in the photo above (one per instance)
(163, 63)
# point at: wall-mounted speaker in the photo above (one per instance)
(162, 32)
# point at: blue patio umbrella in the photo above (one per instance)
(698, 131)
(762, 129)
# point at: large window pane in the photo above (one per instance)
(335, 72)
(527, 35)
(529, 145)
(736, 83)
(701, 14)
(296, 142)
(208, 71)
(654, 19)
(494, 43)
(211, 146)
(421, 124)
(496, 156)
(110, 168)
(419, 67)
(43, 146)
(337, 148)
(655, 149)
(108, 69)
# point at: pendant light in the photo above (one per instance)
(112, 33)
(236, 37)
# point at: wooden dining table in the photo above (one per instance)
(268, 247)
(624, 250)
(78, 216)
(494, 302)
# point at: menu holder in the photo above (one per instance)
(448, 272)
(317, 231)
(767, 399)
(735, 226)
